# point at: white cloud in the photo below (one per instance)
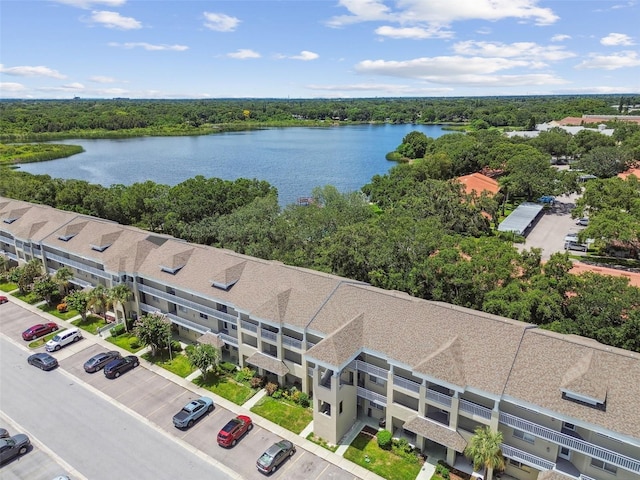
(90, 3)
(616, 39)
(442, 12)
(460, 70)
(417, 33)
(220, 22)
(149, 46)
(28, 71)
(12, 87)
(526, 50)
(428, 67)
(378, 88)
(114, 20)
(102, 79)
(243, 53)
(304, 55)
(611, 62)
(70, 87)
(560, 37)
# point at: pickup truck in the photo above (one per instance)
(192, 411)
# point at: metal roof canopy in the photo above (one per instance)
(521, 218)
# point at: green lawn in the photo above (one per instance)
(91, 325)
(30, 298)
(8, 286)
(290, 416)
(364, 451)
(226, 387)
(178, 364)
(128, 341)
(54, 311)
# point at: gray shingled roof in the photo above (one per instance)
(460, 346)
(548, 362)
(439, 433)
(212, 339)
(33, 222)
(270, 364)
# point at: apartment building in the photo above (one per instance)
(431, 372)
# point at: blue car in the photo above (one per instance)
(192, 411)
(547, 199)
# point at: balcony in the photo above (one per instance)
(406, 384)
(249, 326)
(291, 342)
(576, 444)
(438, 397)
(526, 458)
(11, 255)
(268, 335)
(212, 312)
(78, 265)
(475, 409)
(187, 323)
(7, 240)
(228, 339)
(370, 369)
(372, 396)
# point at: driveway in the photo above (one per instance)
(154, 395)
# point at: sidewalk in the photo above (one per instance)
(297, 439)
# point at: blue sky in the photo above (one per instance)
(317, 48)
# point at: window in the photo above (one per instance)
(607, 467)
(376, 380)
(527, 437)
(376, 405)
(182, 308)
(570, 426)
(204, 315)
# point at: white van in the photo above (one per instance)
(63, 338)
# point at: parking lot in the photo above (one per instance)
(552, 227)
(152, 394)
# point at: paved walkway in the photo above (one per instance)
(300, 441)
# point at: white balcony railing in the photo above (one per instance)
(197, 307)
(268, 335)
(475, 409)
(372, 396)
(406, 384)
(573, 443)
(526, 458)
(78, 265)
(187, 323)
(252, 327)
(228, 339)
(291, 342)
(438, 397)
(370, 369)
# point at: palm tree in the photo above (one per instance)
(99, 299)
(484, 451)
(121, 294)
(62, 278)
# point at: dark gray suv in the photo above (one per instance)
(11, 447)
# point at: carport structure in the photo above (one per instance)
(521, 218)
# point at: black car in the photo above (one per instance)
(115, 368)
(43, 361)
(277, 453)
(99, 360)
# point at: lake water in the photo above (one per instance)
(293, 159)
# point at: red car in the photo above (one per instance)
(3, 299)
(233, 430)
(39, 330)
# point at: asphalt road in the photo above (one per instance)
(89, 432)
